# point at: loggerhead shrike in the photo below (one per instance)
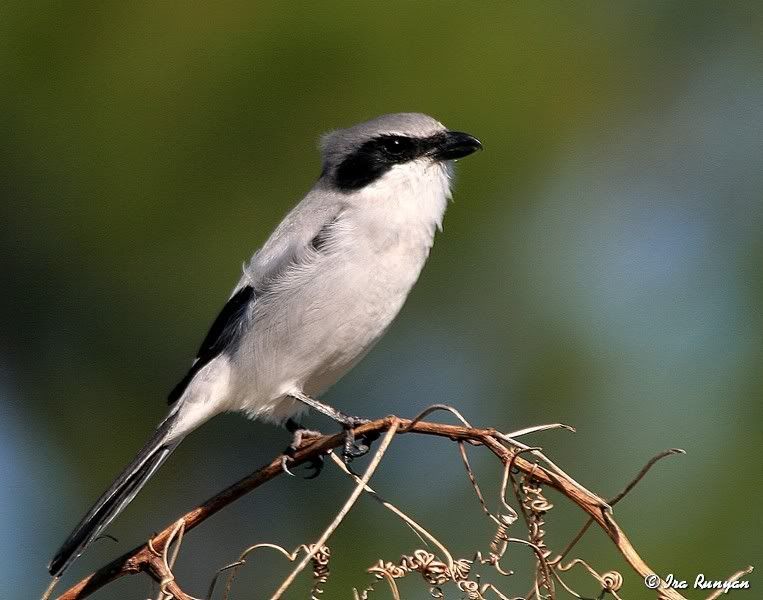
(314, 299)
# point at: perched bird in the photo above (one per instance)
(314, 299)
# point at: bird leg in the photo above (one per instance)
(351, 449)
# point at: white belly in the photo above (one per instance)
(310, 330)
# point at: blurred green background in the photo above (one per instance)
(601, 266)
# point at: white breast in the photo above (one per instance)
(327, 313)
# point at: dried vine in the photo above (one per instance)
(526, 471)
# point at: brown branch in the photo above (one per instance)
(148, 558)
(159, 571)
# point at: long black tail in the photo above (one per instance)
(117, 497)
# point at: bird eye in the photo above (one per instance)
(395, 145)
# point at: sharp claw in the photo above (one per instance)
(284, 465)
(315, 464)
(359, 449)
(300, 434)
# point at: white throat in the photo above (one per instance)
(410, 196)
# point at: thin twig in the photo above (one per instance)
(553, 467)
(342, 512)
(538, 428)
(417, 528)
(626, 490)
(473, 480)
(431, 409)
(169, 562)
(242, 560)
(392, 585)
(49, 590)
(644, 470)
(735, 577)
(220, 571)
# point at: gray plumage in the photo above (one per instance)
(316, 297)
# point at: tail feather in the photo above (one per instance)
(117, 497)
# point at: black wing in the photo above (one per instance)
(224, 332)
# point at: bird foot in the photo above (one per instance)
(356, 447)
(300, 435)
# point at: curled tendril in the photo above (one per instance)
(471, 589)
(499, 542)
(321, 570)
(612, 581)
(390, 568)
(434, 571)
(536, 505)
(461, 569)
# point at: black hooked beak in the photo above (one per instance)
(455, 144)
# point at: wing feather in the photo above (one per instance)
(224, 332)
(300, 232)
